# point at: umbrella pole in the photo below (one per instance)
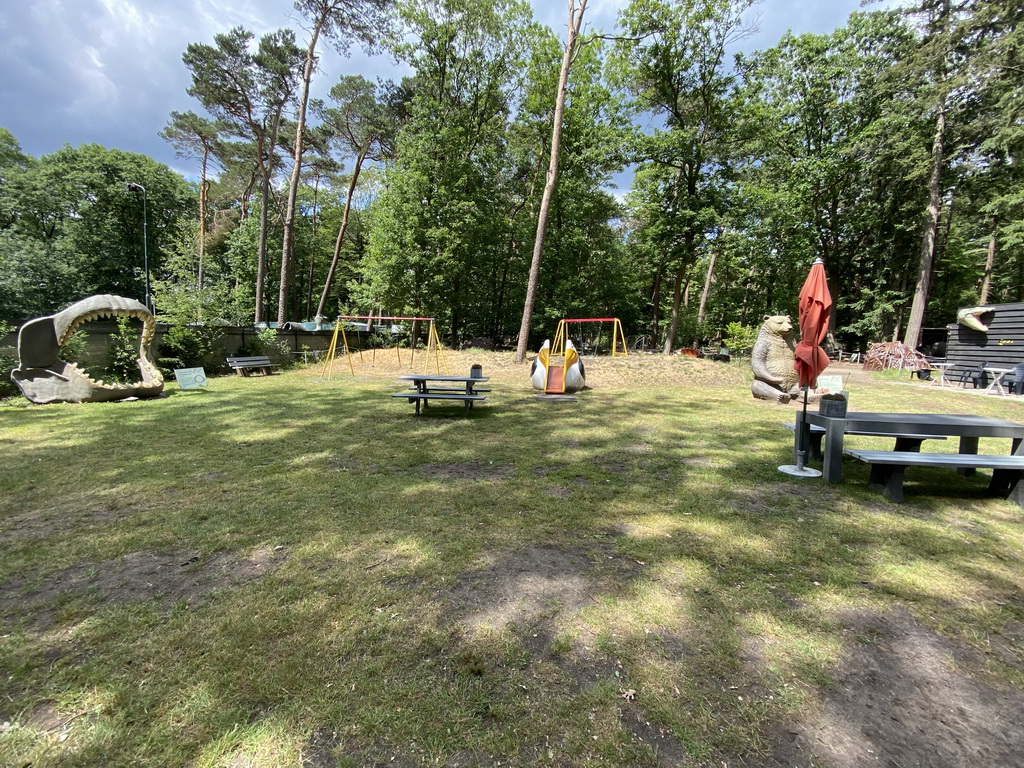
(801, 439)
(800, 469)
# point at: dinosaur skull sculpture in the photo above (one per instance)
(44, 378)
(970, 317)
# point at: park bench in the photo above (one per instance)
(246, 365)
(463, 396)
(441, 390)
(903, 442)
(887, 468)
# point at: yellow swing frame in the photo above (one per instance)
(433, 344)
(561, 334)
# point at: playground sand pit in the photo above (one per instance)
(605, 372)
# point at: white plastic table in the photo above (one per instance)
(996, 387)
(941, 368)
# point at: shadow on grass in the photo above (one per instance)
(625, 580)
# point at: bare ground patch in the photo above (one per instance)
(468, 470)
(905, 697)
(521, 587)
(42, 524)
(536, 594)
(135, 577)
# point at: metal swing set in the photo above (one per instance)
(618, 336)
(434, 347)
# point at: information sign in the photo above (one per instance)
(190, 378)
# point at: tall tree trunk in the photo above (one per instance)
(204, 198)
(707, 286)
(288, 239)
(266, 144)
(261, 250)
(312, 251)
(341, 233)
(656, 304)
(571, 48)
(899, 313)
(990, 261)
(670, 334)
(931, 225)
(673, 323)
(677, 294)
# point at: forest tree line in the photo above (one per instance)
(890, 148)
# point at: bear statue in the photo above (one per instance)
(775, 377)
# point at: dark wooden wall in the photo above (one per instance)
(1002, 345)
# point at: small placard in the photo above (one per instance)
(190, 378)
(830, 384)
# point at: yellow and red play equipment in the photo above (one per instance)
(558, 374)
(433, 343)
(618, 335)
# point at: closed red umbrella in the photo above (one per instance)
(815, 309)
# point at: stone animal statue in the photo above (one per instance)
(775, 376)
(44, 378)
(970, 317)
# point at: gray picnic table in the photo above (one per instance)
(967, 427)
(426, 387)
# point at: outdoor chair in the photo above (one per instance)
(1015, 379)
(974, 375)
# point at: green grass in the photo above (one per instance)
(283, 569)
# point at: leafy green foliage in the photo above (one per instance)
(123, 353)
(740, 338)
(78, 231)
(73, 349)
(188, 347)
(8, 362)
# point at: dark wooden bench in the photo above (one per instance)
(246, 365)
(887, 469)
(903, 442)
(463, 396)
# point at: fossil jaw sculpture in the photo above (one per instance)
(970, 317)
(44, 378)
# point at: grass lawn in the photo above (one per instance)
(286, 570)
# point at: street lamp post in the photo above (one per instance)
(136, 187)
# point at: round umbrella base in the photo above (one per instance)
(794, 470)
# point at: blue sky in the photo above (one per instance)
(110, 71)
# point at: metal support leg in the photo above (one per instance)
(968, 445)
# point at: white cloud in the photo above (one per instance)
(110, 71)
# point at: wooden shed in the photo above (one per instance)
(1002, 345)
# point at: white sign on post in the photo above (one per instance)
(190, 378)
(831, 384)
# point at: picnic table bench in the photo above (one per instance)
(904, 441)
(887, 468)
(246, 365)
(423, 390)
(432, 390)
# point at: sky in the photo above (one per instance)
(110, 71)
